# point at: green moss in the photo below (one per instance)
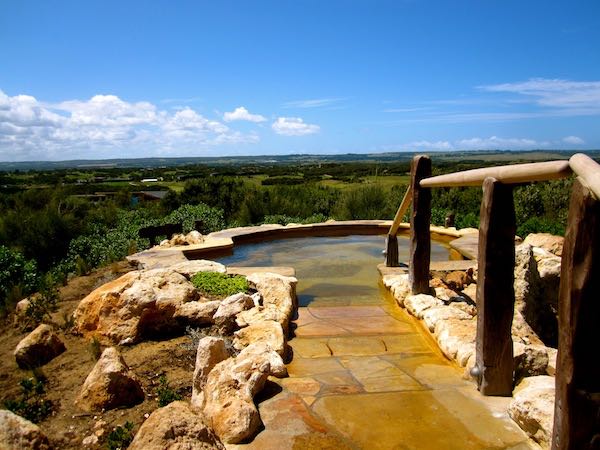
(219, 284)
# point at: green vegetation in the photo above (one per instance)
(165, 394)
(219, 284)
(63, 222)
(120, 437)
(31, 404)
(95, 349)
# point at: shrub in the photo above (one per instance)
(120, 437)
(219, 284)
(42, 304)
(31, 404)
(165, 394)
(18, 277)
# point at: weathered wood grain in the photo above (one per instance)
(495, 290)
(420, 239)
(511, 174)
(577, 405)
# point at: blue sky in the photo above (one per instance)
(104, 79)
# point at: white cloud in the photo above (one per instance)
(242, 113)
(103, 126)
(312, 103)
(573, 140)
(497, 143)
(293, 126)
(580, 96)
(438, 145)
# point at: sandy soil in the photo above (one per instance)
(68, 425)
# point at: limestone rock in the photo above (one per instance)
(196, 313)
(138, 304)
(262, 351)
(530, 360)
(433, 315)
(229, 391)
(532, 408)
(110, 384)
(278, 300)
(191, 268)
(537, 278)
(453, 334)
(547, 241)
(458, 279)
(522, 332)
(232, 306)
(417, 304)
(38, 347)
(268, 332)
(211, 351)
(470, 292)
(17, 433)
(552, 355)
(174, 426)
(399, 286)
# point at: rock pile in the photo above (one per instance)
(450, 314)
(192, 238)
(230, 369)
(38, 347)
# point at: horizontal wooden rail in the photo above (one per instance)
(400, 213)
(588, 170)
(511, 174)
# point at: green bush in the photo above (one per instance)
(31, 404)
(219, 284)
(165, 394)
(120, 437)
(18, 277)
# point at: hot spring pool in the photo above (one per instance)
(331, 271)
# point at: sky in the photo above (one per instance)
(110, 79)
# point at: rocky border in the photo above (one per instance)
(449, 314)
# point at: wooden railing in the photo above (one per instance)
(577, 405)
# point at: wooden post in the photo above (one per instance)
(391, 251)
(420, 239)
(495, 290)
(577, 404)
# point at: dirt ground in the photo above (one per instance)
(67, 426)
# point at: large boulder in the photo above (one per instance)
(136, 305)
(537, 279)
(192, 267)
(267, 332)
(547, 241)
(175, 426)
(419, 303)
(230, 389)
(211, 351)
(17, 433)
(532, 408)
(232, 306)
(530, 360)
(110, 384)
(278, 294)
(38, 347)
(197, 313)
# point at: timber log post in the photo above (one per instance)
(577, 404)
(420, 218)
(495, 290)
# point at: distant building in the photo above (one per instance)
(147, 196)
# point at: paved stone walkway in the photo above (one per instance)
(365, 377)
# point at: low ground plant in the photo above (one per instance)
(120, 437)
(165, 394)
(219, 284)
(31, 404)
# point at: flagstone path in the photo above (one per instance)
(366, 377)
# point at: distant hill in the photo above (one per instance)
(465, 156)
